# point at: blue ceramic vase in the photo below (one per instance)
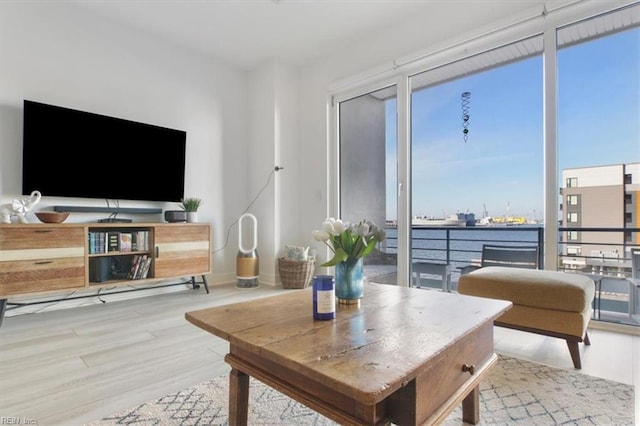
(349, 282)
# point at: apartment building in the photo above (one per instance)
(605, 200)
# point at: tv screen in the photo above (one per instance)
(71, 153)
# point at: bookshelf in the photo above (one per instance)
(119, 253)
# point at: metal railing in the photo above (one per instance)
(463, 246)
(604, 252)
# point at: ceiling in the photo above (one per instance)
(246, 33)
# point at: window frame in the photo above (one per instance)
(573, 200)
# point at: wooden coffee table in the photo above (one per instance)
(405, 355)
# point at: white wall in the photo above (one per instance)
(57, 54)
(274, 142)
(260, 164)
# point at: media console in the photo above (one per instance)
(45, 258)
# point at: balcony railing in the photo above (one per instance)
(603, 252)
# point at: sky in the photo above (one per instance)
(500, 166)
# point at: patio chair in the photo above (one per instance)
(430, 274)
(512, 256)
(635, 262)
(634, 290)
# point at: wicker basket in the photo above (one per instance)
(296, 273)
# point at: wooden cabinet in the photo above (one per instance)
(40, 258)
(182, 250)
(37, 258)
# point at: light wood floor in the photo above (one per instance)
(73, 366)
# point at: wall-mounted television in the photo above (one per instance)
(72, 153)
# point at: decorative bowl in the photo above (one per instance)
(52, 217)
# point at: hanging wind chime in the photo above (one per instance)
(466, 100)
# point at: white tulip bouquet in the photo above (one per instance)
(348, 241)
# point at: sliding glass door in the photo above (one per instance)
(530, 136)
(476, 157)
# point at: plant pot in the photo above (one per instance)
(192, 217)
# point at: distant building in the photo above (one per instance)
(600, 197)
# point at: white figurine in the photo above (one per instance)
(19, 208)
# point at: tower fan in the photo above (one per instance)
(247, 262)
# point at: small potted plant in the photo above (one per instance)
(191, 205)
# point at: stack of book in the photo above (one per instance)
(97, 242)
(140, 241)
(104, 242)
(140, 265)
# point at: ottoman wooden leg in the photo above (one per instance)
(574, 350)
(587, 341)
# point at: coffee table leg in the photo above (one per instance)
(238, 397)
(471, 407)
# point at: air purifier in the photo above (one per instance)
(247, 261)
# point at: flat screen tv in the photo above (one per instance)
(71, 153)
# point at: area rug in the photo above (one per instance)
(516, 392)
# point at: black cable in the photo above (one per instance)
(275, 169)
(114, 215)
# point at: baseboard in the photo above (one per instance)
(615, 327)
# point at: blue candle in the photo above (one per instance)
(324, 297)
